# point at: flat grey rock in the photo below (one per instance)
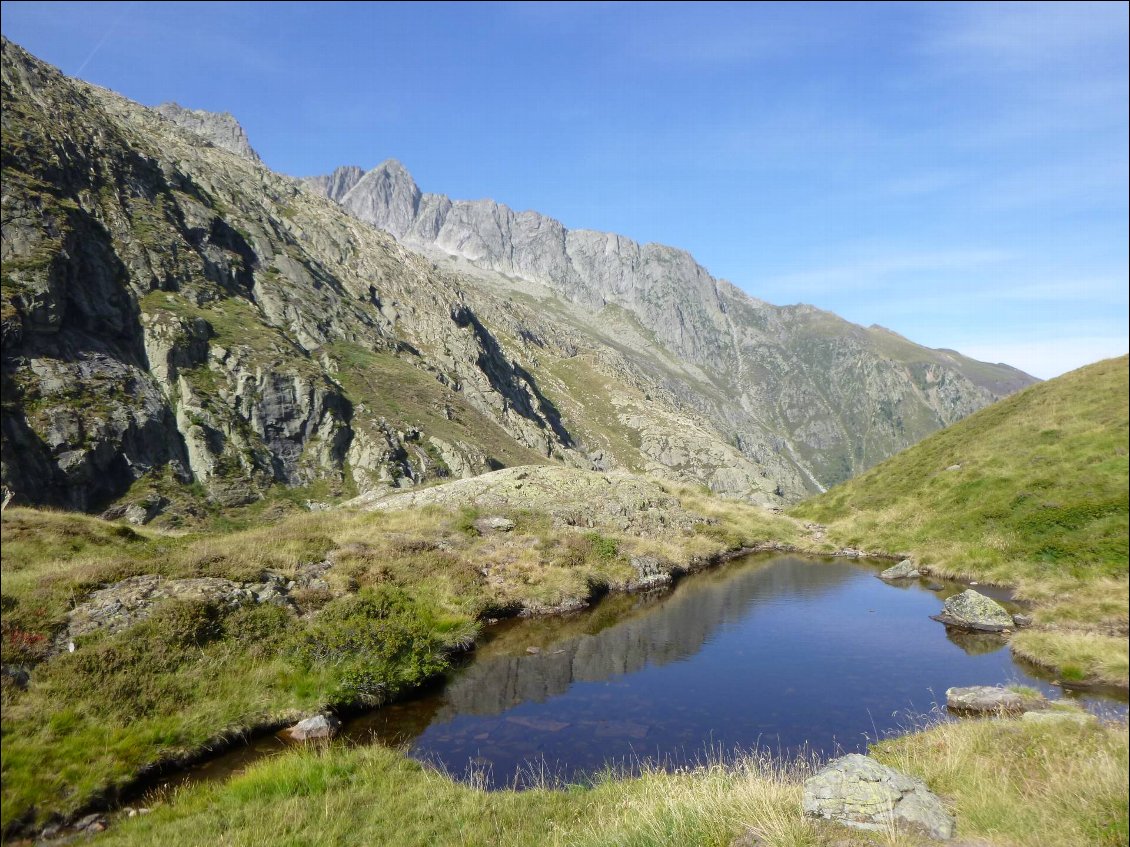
(989, 699)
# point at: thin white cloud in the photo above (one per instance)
(922, 183)
(875, 272)
(1022, 36)
(1047, 357)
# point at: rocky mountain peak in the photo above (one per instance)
(220, 128)
(386, 197)
(337, 184)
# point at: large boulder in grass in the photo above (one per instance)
(316, 728)
(905, 569)
(973, 610)
(859, 792)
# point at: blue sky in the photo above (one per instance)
(955, 172)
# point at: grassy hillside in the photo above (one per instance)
(1032, 492)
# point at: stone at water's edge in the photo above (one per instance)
(972, 610)
(905, 569)
(990, 699)
(313, 728)
(858, 791)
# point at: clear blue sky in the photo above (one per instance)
(957, 173)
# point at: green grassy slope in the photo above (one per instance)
(1031, 491)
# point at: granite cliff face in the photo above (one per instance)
(178, 318)
(221, 129)
(832, 397)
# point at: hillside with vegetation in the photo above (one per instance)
(1030, 492)
(324, 462)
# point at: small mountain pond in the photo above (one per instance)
(778, 652)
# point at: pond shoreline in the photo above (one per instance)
(113, 799)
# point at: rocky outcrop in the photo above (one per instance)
(569, 497)
(974, 611)
(171, 309)
(336, 185)
(859, 792)
(219, 128)
(125, 603)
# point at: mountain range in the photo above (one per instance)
(183, 325)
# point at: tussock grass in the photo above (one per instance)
(1024, 784)
(1029, 492)
(1009, 784)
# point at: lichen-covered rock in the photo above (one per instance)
(314, 728)
(903, 570)
(860, 792)
(973, 610)
(494, 523)
(987, 699)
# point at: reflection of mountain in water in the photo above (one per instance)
(667, 631)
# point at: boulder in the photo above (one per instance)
(859, 792)
(973, 610)
(314, 728)
(991, 700)
(903, 570)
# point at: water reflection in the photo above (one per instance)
(654, 633)
(977, 643)
(778, 652)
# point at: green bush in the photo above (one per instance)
(377, 642)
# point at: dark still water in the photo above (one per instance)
(780, 653)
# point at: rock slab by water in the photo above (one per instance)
(858, 791)
(984, 699)
(905, 569)
(317, 727)
(973, 610)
